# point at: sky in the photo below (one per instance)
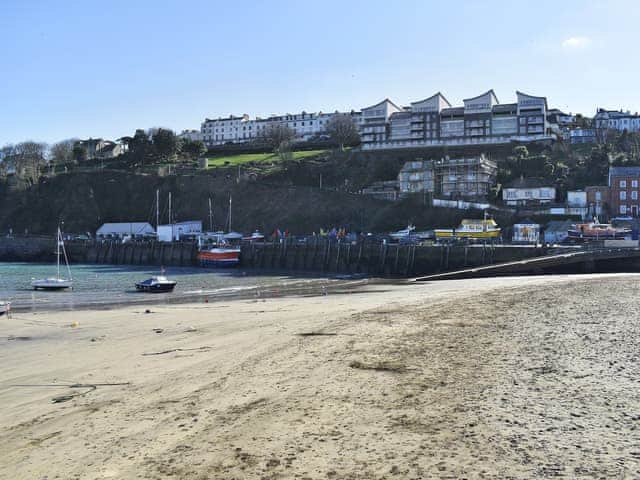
(90, 68)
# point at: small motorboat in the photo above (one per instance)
(156, 285)
(254, 237)
(5, 308)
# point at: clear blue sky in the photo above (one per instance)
(103, 68)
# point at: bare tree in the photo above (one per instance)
(279, 137)
(29, 158)
(343, 130)
(62, 152)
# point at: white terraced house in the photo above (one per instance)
(242, 129)
(616, 120)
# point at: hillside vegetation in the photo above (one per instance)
(284, 191)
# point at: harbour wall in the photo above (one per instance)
(378, 259)
(316, 255)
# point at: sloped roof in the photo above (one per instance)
(527, 183)
(125, 228)
(438, 94)
(380, 103)
(493, 94)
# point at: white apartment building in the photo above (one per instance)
(616, 120)
(242, 129)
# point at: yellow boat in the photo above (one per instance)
(471, 229)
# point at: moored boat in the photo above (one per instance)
(156, 284)
(471, 228)
(5, 308)
(254, 237)
(581, 232)
(57, 282)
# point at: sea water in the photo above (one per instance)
(96, 286)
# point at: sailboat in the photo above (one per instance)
(225, 251)
(57, 282)
(5, 308)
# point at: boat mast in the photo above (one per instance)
(58, 240)
(229, 213)
(157, 209)
(170, 221)
(210, 216)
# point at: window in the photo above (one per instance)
(623, 209)
(623, 195)
(598, 196)
(634, 195)
(623, 184)
(634, 183)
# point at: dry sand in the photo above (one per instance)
(498, 378)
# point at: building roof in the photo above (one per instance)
(432, 97)
(546, 107)
(125, 228)
(624, 172)
(528, 183)
(488, 92)
(380, 103)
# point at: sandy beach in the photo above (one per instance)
(534, 377)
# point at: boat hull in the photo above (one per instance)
(158, 288)
(51, 284)
(219, 257)
(450, 233)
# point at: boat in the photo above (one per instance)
(220, 250)
(156, 284)
(472, 229)
(5, 308)
(405, 232)
(254, 237)
(57, 282)
(582, 232)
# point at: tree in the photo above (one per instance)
(29, 160)
(165, 143)
(79, 153)
(343, 130)
(62, 152)
(140, 146)
(193, 148)
(279, 137)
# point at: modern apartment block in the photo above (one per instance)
(450, 178)
(616, 120)
(242, 129)
(480, 120)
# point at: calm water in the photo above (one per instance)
(102, 285)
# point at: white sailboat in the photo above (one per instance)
(57, 282)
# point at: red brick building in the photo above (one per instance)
(624, 184)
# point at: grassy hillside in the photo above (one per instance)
(258, 158)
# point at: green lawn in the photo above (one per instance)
(232, 160)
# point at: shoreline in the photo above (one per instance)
(492, 378)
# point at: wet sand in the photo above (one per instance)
(532, 377)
